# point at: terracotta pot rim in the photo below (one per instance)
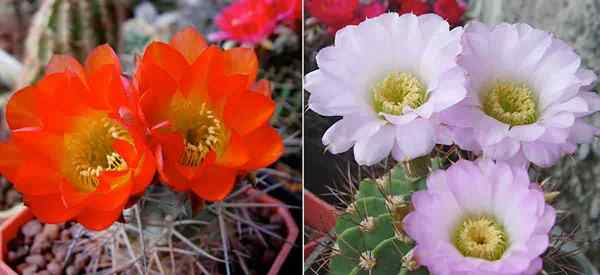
(10, 227)
(319, 215)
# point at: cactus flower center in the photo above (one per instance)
(201, 128)
(481, 237)
(397, 91)
(89, 150)
(511, 103)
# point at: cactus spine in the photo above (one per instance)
(71, 27)
(370, 238)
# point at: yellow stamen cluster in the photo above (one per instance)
(89, 150)
(481, 237)
(511, 103)
(397, 91)
(202, 129)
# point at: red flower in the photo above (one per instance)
(335, 14)
(451, 10)
(417, 7)
(207, 116)
(246, 21)
(371, 10)
(75, 151)
(286, 10)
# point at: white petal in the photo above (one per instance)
(336, 138)
(371, 150)
(490, 131)
(582, 132)
(574, 105)
(344, 133)
(555, 135)
(443, 135)
(528, 132)
(502, 150)
(562, 120)
(593, 101)
(415, 139)
(401, 119)
(542, 154)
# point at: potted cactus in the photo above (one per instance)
(411, 87)
(148, 172)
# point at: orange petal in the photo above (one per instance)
(12, 159)
(167, 58)
(242, 61)
(117, 196)
(189, 43)
(107, 88)
(100, 56)
(99, 220)
(21, 109)
(144, 172)
(192, 172)
(65, 63)
(220, 90)
(248, 112)
(168, 154)
(50, 208)
(36, 178)
(215, 183)
(154, 106)
(235, 154)
(195, 79)
(71, 196)
(60, 98)
(262, 87)
(265, 146)
(43, 145)
(126, 150)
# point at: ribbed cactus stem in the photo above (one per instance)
(370, 238)
(72, 27)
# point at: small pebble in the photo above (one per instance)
(30, 270)
(36, 259)
(54, 268)
(32, 228)
(72, 270)
(65, 235)
(51, 231)
(21, 267)
(40, 243)
(59, 251)
(12, 197)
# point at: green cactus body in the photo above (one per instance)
(369, 235)
(71, 27)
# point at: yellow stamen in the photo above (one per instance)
(89, 150)
(510, 102)
(397, 91)
(481, 237)
(202, 129)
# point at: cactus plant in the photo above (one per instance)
(70, 27)
(370, 239)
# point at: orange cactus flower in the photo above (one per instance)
(75, 151)
(207, 116)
